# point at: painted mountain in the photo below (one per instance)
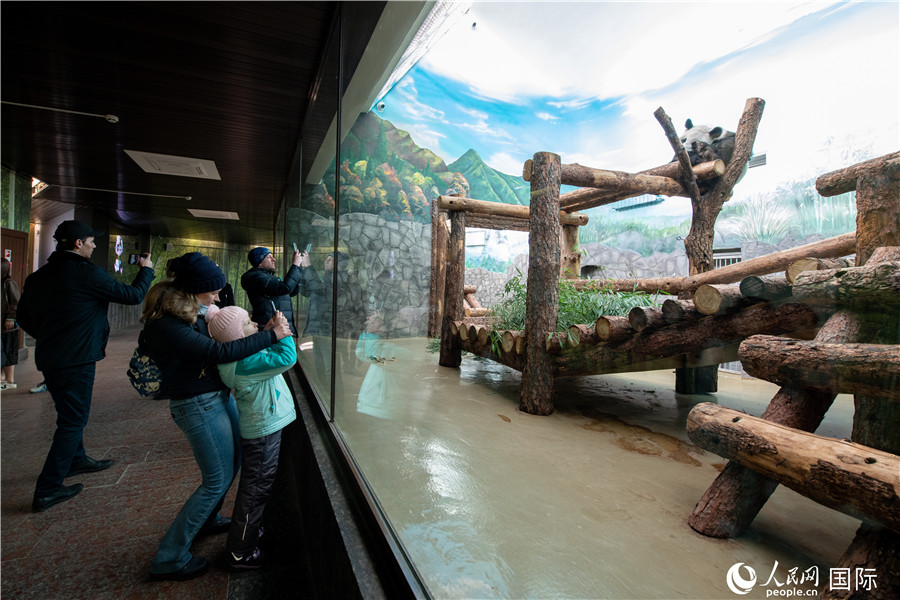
(383, 171)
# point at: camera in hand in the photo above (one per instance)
(134, 259)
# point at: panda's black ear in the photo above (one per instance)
(715, 132)
(688, 124)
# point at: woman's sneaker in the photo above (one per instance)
(246, 562)
(41, 387)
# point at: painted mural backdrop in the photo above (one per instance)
(583, 79)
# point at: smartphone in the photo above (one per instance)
(295, 247)
(274, 310)
(133, 259)
(308, 248)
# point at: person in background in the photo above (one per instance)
(350, 313)
(63, 307)
(265, 291)
(9, 300)
(175, 335)
(265, 406)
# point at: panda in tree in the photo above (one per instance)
(705, 143)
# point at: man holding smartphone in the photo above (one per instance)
(266, 291)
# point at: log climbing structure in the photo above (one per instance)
(648, 339)
(817, 320)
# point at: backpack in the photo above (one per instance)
(144, 374)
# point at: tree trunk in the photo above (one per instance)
(483, 207)
(451, 350)
(872, 369)
(875, 551)
(542, 295)
(570, 260)
(613, 328)
(680, 311)
(847, 477)
(439, 240)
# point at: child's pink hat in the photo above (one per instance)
(226, 324)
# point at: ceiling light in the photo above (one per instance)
(214, 214)
(166, 164)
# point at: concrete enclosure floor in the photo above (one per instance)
(589, 502)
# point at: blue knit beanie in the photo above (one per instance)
(257, 255)
(197, 274)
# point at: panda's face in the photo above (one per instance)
(699, 133)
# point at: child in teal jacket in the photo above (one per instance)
(265, 407)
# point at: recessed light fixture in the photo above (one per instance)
(166, 164)
(214, 214)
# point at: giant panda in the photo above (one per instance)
(705, 143)
(701, 140)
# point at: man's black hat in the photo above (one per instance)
(69, 231)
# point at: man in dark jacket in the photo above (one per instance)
(63, 306)
(266, 292)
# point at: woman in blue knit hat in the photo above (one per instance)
(175, 334)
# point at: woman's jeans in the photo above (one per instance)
(210, 424)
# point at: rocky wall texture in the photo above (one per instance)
(392, 261)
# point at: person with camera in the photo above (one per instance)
(64, 308)
(267, 292)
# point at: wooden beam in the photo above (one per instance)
(841, 245)
(844, 180)
(482, 207)
(853, 479)
(871, 287)
(872, 369)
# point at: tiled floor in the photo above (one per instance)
(99, 545)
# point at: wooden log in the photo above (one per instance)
(466, 306)
(688, 340)
(613, 328)
(472, 332)
(809, 263)
(853, 479)
(581, 176)
(777, 261)
(771, 288)
(439, 240)
(877, 211)
(687, 173)
(845, 180)
(451, 349)
(472, 300)
(469, 289)
(477, 312)
(542, 295)
(736, 496)
(520, 343)
(570, 257)
(712, 299)
(555, 342)
(508, 340)
(869, 287)
(455, 327)
(872, 369)
(642, 317)
(483, 334)
(497, 222)
(583, 335)
(679, 311)
(454, 204)
(585, 198)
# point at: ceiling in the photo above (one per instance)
(234, 83)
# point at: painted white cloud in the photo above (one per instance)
(564, 48)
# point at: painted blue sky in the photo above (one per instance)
(582, 79)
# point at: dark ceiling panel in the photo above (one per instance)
(221, 81)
